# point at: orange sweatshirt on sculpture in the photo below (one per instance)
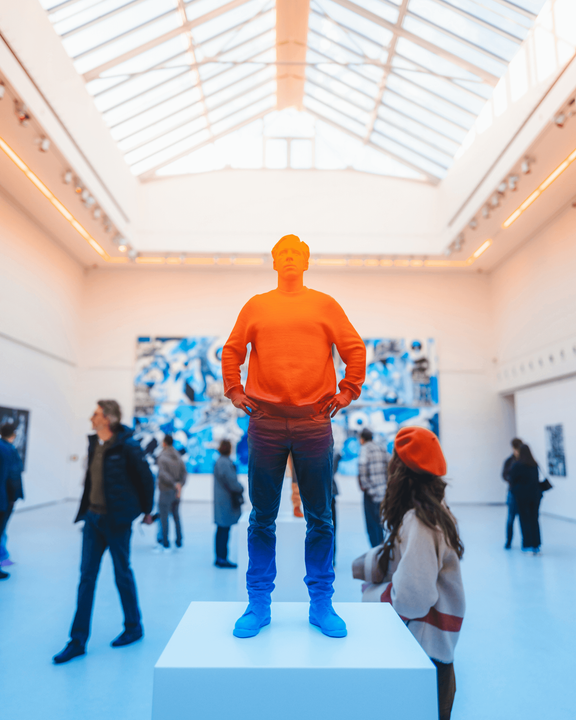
(291, 337)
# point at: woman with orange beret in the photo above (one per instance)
(417, 569)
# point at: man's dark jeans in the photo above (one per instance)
(373, 523)
(98, 535)
(221, 542)
(512, 512)
(270, 440)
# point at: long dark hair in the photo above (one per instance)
(407, 490)
(525, 456)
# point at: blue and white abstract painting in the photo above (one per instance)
(179, 391)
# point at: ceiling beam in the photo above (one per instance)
(517, 8)
(384, 79)
(430, 178)
(431, 47)
(191, 119)
(149, 174)
(401, 114)
(366, 142)
(104, 16)
(189, 25)
(479, 21)
(291, 46)
(211, 139)
(171, 97)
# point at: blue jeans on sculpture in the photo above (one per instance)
(98, 535)
(270, 440)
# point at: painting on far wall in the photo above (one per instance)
(179, 391)
(555, 450)
(20, 418)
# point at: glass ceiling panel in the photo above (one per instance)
(189, 99)
(464, 27)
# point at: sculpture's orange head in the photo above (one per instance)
(291, 256)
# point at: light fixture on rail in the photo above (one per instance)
(540, 189)
(22, 114)
(513, 182)
(52, 199)
(473, 224)
(44, 144)
(68, 177)
(2, 90)
(526, 166)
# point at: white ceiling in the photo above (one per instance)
(390, 87)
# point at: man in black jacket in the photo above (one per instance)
(118, 488)
(510, 500)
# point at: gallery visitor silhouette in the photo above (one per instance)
(291, 395)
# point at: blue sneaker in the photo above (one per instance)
(323, 616)
(257, 616)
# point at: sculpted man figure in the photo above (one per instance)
(291, 395)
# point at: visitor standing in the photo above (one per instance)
(417, 570)
(171, 478)
(228, 500)
(525, 486)
(118, 488)
(510, 499)
(372, 475)
(12, 490)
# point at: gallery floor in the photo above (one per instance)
(515, 658)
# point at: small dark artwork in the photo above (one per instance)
(555, 450)
(20, 418)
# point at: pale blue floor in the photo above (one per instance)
(515, 660)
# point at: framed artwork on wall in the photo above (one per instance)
(555, 455)
(179, 391)
(21, 419)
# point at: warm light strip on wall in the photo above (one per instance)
(151, 260)
(35, 180)
(540, 189)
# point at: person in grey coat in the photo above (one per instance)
(171, 478)
(228, 499)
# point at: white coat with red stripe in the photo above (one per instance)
(423, 584)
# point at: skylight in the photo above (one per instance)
(386, 86)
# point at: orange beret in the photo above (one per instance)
(420, 450)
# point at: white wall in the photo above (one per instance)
(534, 309)
(453, 309)
(40, 297)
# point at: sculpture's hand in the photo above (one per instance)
(241, 401)
(336, 403)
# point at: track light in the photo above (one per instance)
(486, 212)
(78, 187)
(108, 226)
(22, 114)
(560, 119)
(473, 224)
(448, 251)
(526, 166)
(97, 213)
(502, 187)
(132, 254)
(2, 90)
(495, 200)
(84, 194)
(44, 144)
(512, 182)
(68, 177)
(90, 201)
(457, 244)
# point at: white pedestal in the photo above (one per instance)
(290, 671)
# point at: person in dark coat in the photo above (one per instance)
(228, 499)
(119, 486)
(510, 500)
(10, 479)
(525, 486)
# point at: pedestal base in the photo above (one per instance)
(290, 671)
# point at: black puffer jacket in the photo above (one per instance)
(524, 482)
(128, 481)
